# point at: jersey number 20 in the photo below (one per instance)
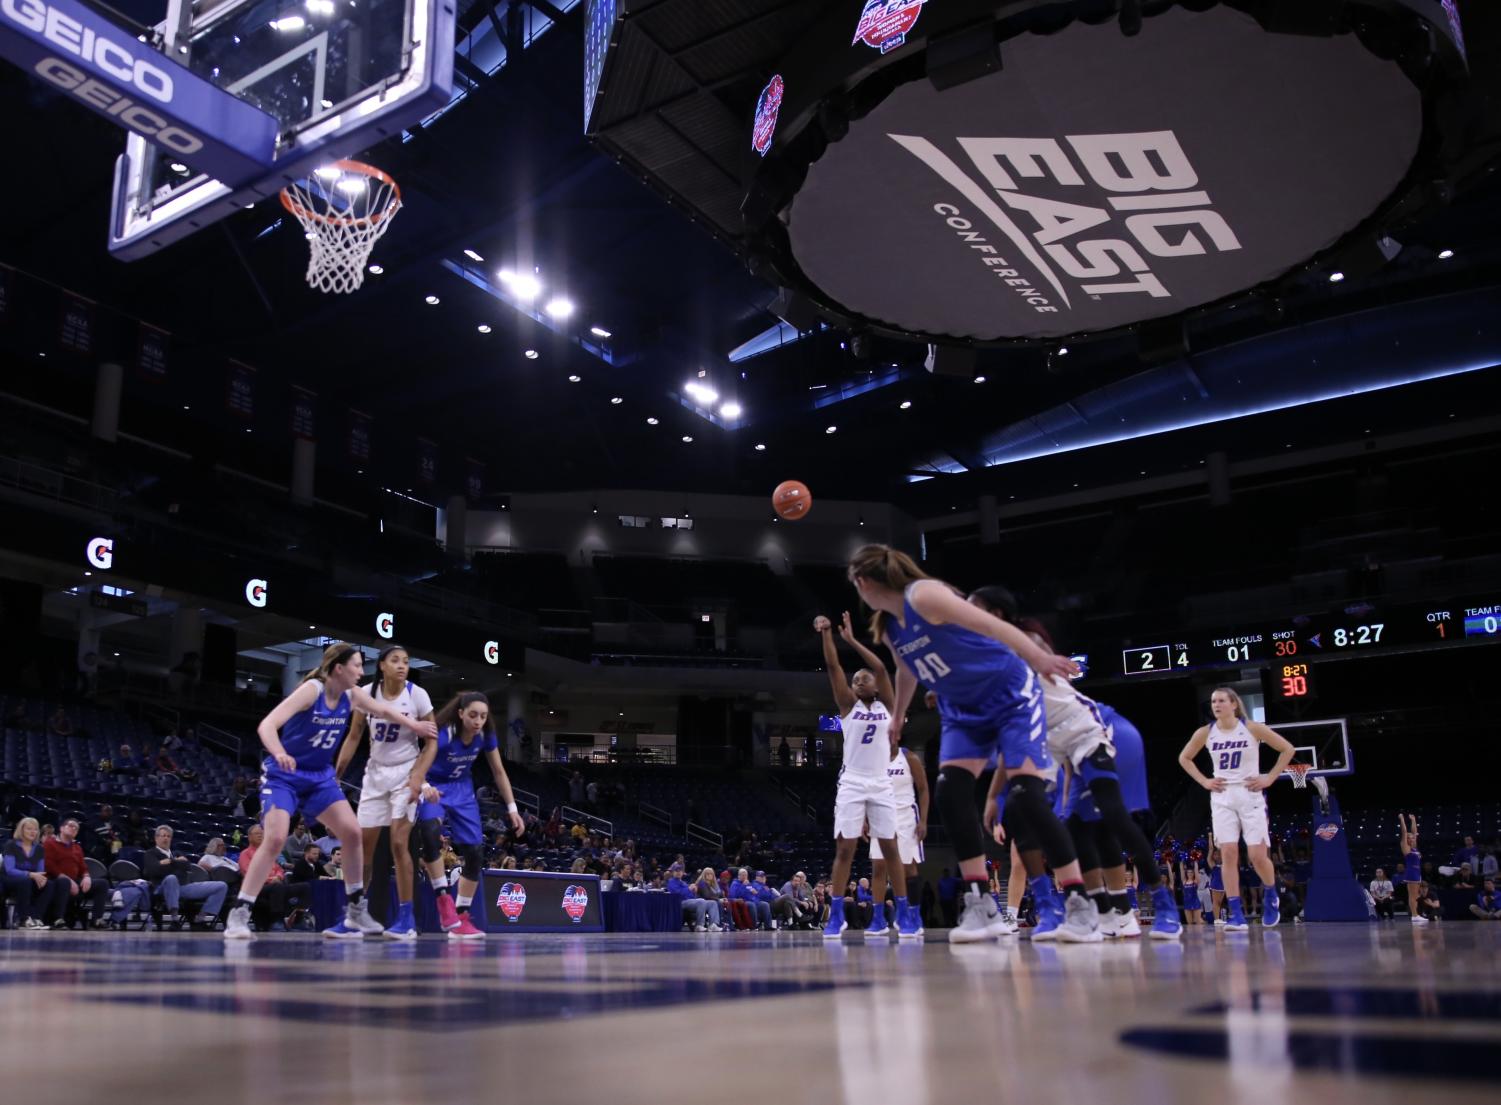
(1229, 761)
(931, 667)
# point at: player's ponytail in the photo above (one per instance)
(334, 655)
(886, 567)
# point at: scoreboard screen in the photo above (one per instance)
(1353, 630)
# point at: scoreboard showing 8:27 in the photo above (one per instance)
(1355, 630)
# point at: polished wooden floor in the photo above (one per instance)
(1313, 1013)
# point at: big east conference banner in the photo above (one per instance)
(1067, 193)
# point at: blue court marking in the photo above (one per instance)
(463, 1007)
(1386, 1004)
(1343, 1052)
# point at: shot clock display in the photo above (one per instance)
(1356, 629)
(1293, 682)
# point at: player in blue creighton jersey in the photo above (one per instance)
(1237, 806)
(465, 732)
(300, 736)
(989, 700)
(1095, 808)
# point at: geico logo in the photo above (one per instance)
(385, 626)
(256, 592)
(142, 120)
(69, 34)
(492, 652)
(101, 553)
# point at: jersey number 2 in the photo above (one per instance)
(931, 667)
(870, 734)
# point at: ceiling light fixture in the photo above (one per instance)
(1063, 351)
(376, 270)
(979, 379)
(1443, 254)
(616, 400)
(532, 354)
(832, 430)
(1336, 277)
(906, 405)
(524, 286)
(760, 448)
(574, 379)
(560, 307)
(687, 439)
(731, 411)
(469, 253)
(484, 328)
(432, 301)
(651, 421)
(600, 332)
(702, 394)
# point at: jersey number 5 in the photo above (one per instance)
(931, 667)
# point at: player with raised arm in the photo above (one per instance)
(299, 736)
(1236, 805)
(1412, 865)
(464, 732)
(393, 775)
(864, 799)
(985, 674)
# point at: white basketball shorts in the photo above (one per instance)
(865, 800)
(1075, 736)
(385, 795)
(1239, 814)
(906, 836)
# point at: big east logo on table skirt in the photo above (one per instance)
(885, 24)
(575, 901)
(1327, 831)
(511, 900)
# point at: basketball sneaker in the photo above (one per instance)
(357, 916)
(878, 929)
(448, 914)
(1420, 920)
(909, 923)
(1271, 908)
(405, 927)
(1081, 921)
(1236, 922)
(1165, 922)
(1005, 924)
(1127, 925)
(466, 930)
(837, 924)
(978, 916)
(1110, 922)
(238, 925)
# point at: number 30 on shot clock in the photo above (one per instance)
(1294, 681)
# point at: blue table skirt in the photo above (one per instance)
(328, 905)
(641, 911)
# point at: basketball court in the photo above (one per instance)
(1340, 1013)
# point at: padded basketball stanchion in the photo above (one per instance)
(1333, 893)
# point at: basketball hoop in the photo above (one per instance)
(1299, 774)
(344, 208)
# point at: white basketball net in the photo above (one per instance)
(1299, 774)
(344, 209)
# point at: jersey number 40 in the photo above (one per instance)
(930, 667)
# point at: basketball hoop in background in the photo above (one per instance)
(1299, 775)
(344, 208)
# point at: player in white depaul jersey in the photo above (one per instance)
(1236, 804)
(864, 797)
(393, 776)
(909, 792)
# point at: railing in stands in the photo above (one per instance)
(655, 813)
(806, 808)
(694, 831)
(231, 744)
(49, 482)
(527, 800)
(572, 814)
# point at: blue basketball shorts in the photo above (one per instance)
(311, 792)
(1015, 726)
(459, 811)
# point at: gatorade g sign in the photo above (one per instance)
(102, 67)
(492, 652)
(257, 592)
(385, 626)
(101, 553)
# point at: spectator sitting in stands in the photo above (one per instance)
(166, 765)
(800, 894)
(579, 833)
(742, 889)
(1488, 865)
(124, 762)
(49, 832)
(217, 863)
(166, 872)
(1467, 854)
(40, 901)
(327, 842)
(1464, 878)
(60, 724)
(243, 800)
(1428, 903)
(310, 867)
(783, 908)
(507, 863)
(1290, 899)
(1487, 905)
(1382, 893)
(710, 889)
(334, 868)
(554, 827)
(703, 912)
(101, 832)
(64, 860)
(298, 840)
(280, 902)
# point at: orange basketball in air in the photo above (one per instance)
(791, 500)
